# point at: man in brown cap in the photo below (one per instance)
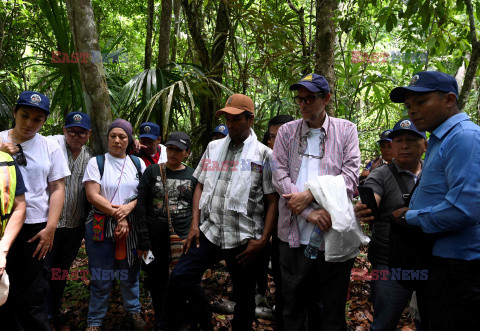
(234, 180)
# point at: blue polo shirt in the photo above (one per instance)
(447, 198)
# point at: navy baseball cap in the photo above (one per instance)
(222, 128)
(312, 82)
(79, 119)
(406, 126)
(149, 130)
(34, 99)
(179, 139)
(384, 136)
(426, 81)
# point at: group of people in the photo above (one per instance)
(139, 206)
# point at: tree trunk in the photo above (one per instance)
(474, 59)
(325, 44)
(303, 37)
(177, 6)
(92, 74)
(164, 36)
(148, 39)
(213, 61)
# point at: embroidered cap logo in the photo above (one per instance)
(147, 129)
(405, 124)
(414, 80)
(35, 99)
(308, 77)
(77, 118)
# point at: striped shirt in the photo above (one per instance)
(341, 157)
(227, 228)
(73, 212)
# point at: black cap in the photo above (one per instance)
(179, 139)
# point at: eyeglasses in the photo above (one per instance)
(322, 150)
(76, 133)
(308, 99)
(21, 159)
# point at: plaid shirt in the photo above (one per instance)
(227, 228)
(341, 157)
(73, 212)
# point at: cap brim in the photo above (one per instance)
(383, 139)
(398, 94)
(308, 85)
(146, 135)
(229, 110)
(177, 143)
(33, 106)
(395, 133)
(77, 125)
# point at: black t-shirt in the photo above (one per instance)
(383, 183)
(151, 206)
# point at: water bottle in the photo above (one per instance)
(316, 241)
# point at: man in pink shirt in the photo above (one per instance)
(314, 291)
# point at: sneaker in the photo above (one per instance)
(137, 321)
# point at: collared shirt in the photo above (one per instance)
(341, 157)
(384, 184)
(447, 199)
(227, 228)
(73, 212)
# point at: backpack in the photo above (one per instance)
(135, 160)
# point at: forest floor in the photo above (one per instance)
(218, 288)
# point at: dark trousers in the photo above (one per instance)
(453, 294)
(157, 271)
(25, 307)
(277, 279)
(186, 277)
(314, 291)
(64, 251)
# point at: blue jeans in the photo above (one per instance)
(389, 299)
(104, 269)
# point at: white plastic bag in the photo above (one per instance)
(344, 238)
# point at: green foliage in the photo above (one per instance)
(264, 55)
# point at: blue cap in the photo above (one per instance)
(34, 99)
(406, 126)
(222, 128)
(426, 81)
(312, 82)
(384, 136)
(79, 119)
(149, 130)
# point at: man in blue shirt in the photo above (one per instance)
(447, 199)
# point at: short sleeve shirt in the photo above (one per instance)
(227, 228)
(180, 187)
(383, 183)
(20, 188)
(120, 178)
(45, 163)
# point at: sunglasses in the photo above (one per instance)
(322, 150)
(21, 159)
(308, 99)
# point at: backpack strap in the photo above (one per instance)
(406, 194)
(101, 164)
(136, 162)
